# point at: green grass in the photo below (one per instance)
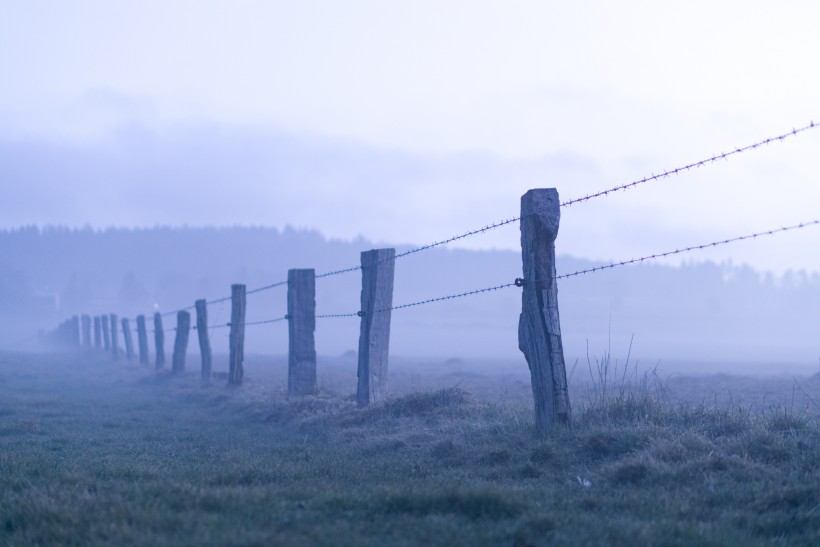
(93, 452)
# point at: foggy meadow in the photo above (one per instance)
(409, 273)
(694, 389)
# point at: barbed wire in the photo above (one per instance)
(332, 315)
(447, 297)
(694, 165)
(492, 226)
(486, 228)
(692, 248)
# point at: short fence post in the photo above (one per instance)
(86, 330)
(97, 332)
(115, 350)
(142, 339)
(378, 267)
(106, 333)
(301, 328)
(181, 341)
(129, 339)
(202, 334)
(237, 337)
(539, 328)
(75, 331)
(159, 341)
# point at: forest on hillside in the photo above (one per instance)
(698, 310)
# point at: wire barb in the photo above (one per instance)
(691, 248)
(700, 163)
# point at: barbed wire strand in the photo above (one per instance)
(488, 227)
(599, 268)
(701, 163)
(692, 248)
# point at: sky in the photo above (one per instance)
(408, 122)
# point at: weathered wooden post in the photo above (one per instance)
(114, 342)
(204, 342)
(539, 328)
(129, 339)
(159, 341)
(378, 267)
(237, 338)
(86, 319)
(181, 341)
(97, 332)
(301, 327)
(75, 332)
(142, 339)
(106, 334)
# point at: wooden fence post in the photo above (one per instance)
(301, 328)
(181, 341)
(204, 342)
(539, 328)
(378, 267)
(237, 338)
(129, 339)
(159, 341)
(97, 332)
(86, 319)
(106, 333)
(142, 339)
(115, 350)
(76, 339)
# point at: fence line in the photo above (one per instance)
(494, 225)
(539, 332)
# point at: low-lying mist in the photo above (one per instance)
(697, 313)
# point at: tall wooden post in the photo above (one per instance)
(106, 334)
(97, 332)
(181, 340)
(236, 356)
(142, 339)
(75, 332)
(378, 267)
(159, 341)
(204, 342)
(115, 350)
(129, 339)
(539, 328)
(86, 319)
(301, 328)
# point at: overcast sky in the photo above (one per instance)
(411, 121)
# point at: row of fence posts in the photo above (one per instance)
(539, 330)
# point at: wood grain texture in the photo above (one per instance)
(115, 345)
(181, 341)
(142, 339)
(159, 342)
(539, 328)
(378, 266)
(202, 334)
(129, 339)
(236, 357)
(301, 328)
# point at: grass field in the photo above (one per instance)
(97, 452)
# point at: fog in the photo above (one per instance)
(695, 317)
